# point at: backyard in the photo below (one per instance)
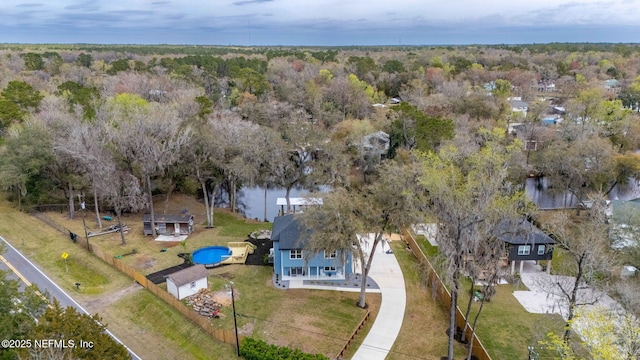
(505, 328)
(314, 321)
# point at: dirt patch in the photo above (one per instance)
(107, 299)
(246, 329)
(144, 262)
(222, 297)
(226, 275)
(170, 244)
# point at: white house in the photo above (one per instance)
(188, 281)
(517, 105)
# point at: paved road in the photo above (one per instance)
(30, 273)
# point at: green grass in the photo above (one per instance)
(179, 337)
(233, 226)
(92, 281)
(314, 321)
(425, 321)
(505, 328)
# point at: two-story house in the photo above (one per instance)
(292, 263)
(527, 242)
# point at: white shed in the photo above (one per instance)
(188, 281)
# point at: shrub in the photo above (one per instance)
(253, 349)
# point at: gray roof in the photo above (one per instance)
(523, 233)
(288, 231)
(182, 218)
(188, 275)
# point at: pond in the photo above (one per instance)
(538, 191)
(251, 200)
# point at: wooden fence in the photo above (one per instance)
(443, 295)
(353, 335)
(223, 335)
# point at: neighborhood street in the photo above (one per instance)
(28, 273)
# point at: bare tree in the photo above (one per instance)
(148, 139)
(300, 155)
(236, 149)
(201, 158)
(466, 194)
(122, 191)
(585, 244)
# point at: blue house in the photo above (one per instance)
(289, 261)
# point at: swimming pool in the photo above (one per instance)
(211, 255)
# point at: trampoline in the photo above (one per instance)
(211, 255)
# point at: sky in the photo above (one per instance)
(319, 22)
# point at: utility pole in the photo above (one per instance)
(84, 224)
(235, 322)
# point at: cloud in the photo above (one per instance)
(84, 6)
(29, 5)
(324, 22)
(248, 2)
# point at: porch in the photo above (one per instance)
(313, 273)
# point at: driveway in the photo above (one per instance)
(545, 297)
(385, 277)
(386, 272)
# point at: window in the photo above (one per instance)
(296, 271)
(329, 268)
(295, 254)
(331, 255)
(540, 249)
(193, 284)
(524, 249)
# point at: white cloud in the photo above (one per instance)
(338, 16)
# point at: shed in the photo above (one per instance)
(169, 224)
(187, 282)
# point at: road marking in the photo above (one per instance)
(15, 271)
(24, 280)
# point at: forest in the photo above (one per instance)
(450, 133)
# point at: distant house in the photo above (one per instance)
(517, 105)
(292, 263)
(375, 145)
(527, 242)
(188, 281)
(169, 224)
(612, 85)
(545, 86)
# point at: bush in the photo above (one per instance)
(253, 349)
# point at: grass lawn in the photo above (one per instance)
(311, 320)
(143, 331)
(161, 332)
(45, 245)
(505, 328)
(151, 256)
(425, 321)
(314, 321)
